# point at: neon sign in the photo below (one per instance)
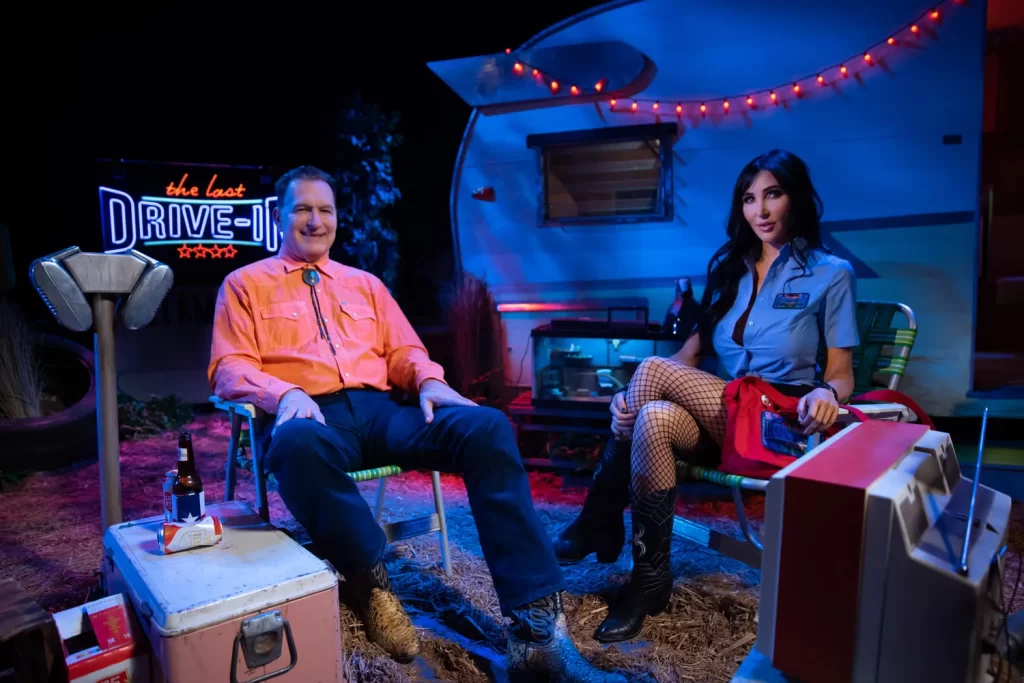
(209, 218)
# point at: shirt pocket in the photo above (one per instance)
(287, 325)
(359, 321)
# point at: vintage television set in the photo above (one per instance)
(871, 572)
(582, 361)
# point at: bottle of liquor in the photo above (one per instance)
(187, 496)
(683, 314)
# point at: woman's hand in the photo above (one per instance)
(817, 410)
(622, 420)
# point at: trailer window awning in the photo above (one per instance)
(494, 85)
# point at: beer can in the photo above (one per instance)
(168, 504)
(173, 538)
(188, 508)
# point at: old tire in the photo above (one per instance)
(63, 437)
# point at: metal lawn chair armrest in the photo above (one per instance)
(237, 406)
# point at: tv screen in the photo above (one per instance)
(202, 220)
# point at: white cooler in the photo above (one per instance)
(255, 606)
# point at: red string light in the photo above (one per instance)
(868, 58)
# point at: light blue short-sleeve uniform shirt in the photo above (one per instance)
(795, 312)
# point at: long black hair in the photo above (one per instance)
(728, 264)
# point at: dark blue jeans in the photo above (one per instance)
(367, 428)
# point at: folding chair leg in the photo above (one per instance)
(256, 443)
(741, 513)
(380, 499)
(446, 560)
(230, 474)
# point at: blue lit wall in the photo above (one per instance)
(900, 196)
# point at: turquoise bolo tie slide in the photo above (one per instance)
(311, 277)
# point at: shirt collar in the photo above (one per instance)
(784, 254)
(324, 265)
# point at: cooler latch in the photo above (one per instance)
(261, 640)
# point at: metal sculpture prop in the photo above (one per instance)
(133, 284)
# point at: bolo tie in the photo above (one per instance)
(312, 278)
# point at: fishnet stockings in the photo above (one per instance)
(672, 401)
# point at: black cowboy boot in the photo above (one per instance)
(539, 643)
(650, 585)
(599, 527)
(383, 616)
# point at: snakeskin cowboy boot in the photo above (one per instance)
(382, 615)
(539, 643)
(600, 527)
(650, 585)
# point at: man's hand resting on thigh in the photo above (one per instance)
(436, 394)
(296, 403)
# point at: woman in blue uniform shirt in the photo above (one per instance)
(773, 296)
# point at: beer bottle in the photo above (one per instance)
(188, 498)
(684, 313)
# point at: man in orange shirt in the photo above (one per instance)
(320, 345)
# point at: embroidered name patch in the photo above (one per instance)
(791, 300)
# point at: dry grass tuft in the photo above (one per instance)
(21, 379)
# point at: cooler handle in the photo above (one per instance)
(293, 655)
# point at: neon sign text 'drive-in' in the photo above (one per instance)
(188, 212)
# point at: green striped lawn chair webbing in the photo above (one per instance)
(685, 469)
(361, 475)
(874, 326)
(375, 473)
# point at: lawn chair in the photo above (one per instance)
(878, 363)
(239, 412)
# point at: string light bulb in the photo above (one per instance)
(679, 109)
(574, 90)
(750, 101)
(518, 68)
(725, 106)
(554, 86)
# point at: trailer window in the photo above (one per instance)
(620, 174)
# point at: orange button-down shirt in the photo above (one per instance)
(266, 339)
